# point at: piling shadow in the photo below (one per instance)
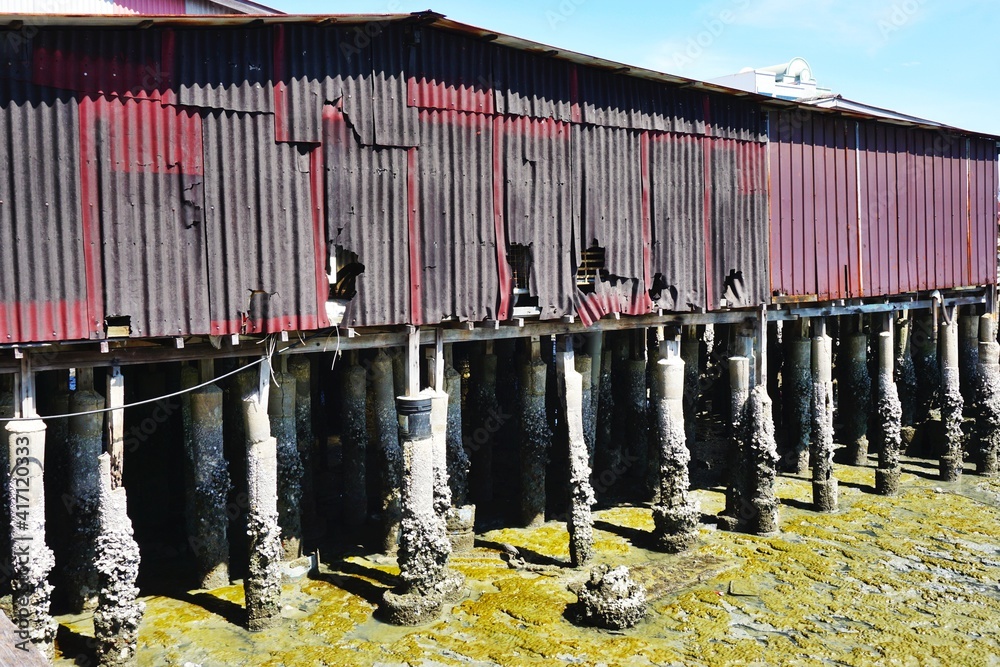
(82, 650)
(797, 504)
(934, 477)
(864, 488)
(352, 578)
(230, 611)
(527, 555)
(640, 539)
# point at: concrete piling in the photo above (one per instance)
(968, 355)
(823, 482)
(462, 516)
(354, 442)
(262, 586)
(636, 419)
(759, 505)
(924, 345)
(606, 454)
(855, 396)
(284, 429)
(691, 355)
(300, 367)
(6, 411)
(390, 454)
(439, 433)
(85, 445)
(535, 437)
(425, 583)
(906, 378)
(119, 612)
(739, 392)
(209, 484)
(988, 398)
(581, 494)
(486, 409)
(797, 392)
(951, 402)
(890, 416)
(675, 514)
(31, 558)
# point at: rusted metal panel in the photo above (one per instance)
(43, 293)
(739, 229)
(146, 174)
(225, 69)
(264, 253)
(535, 171)
(608, 172)
(124, 63)
(451, 72)
(93, 7)
(366, 193)
(915, 215)
(455, 234)
(678, 222)
(813, 194)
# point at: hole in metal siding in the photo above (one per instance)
(591, 268)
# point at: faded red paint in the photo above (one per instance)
(50, 320)
(499, 226)
(317, 192)
(90, 217)
(413, 225)
(282, 125)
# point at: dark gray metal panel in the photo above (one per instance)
(735, 118)
(224, 69)
(43, 288)
(531, 84)
(678, 221)
(616, 100)
(367, 216)
(150, 178)
(262, 250)
(739, 223)
(609, 196)
(395, 121)
(457, 237)
(325, 65)
(451, 72)
(539, 208)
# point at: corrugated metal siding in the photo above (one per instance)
(983, 209)
(538, 205)
(678, 210)
(528, 84)
(263, 253)
(93, 7)
(147, 172)
(367, 215)
(739, 225)
(459, 276)
(813, 203)
(225, 69)
(889, 229)
(119, 62)
(43, 293)
(608, 169)
(614, 100)
(452, 72)
(206, 7)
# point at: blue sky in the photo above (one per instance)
(932, 58)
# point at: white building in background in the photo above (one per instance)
(789, 81)
(794, 81)
(152, 7)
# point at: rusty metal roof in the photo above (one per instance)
(436, 20)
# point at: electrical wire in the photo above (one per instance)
(270, 345)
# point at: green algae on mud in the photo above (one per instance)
(905, 580)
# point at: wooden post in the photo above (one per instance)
(115, 397)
